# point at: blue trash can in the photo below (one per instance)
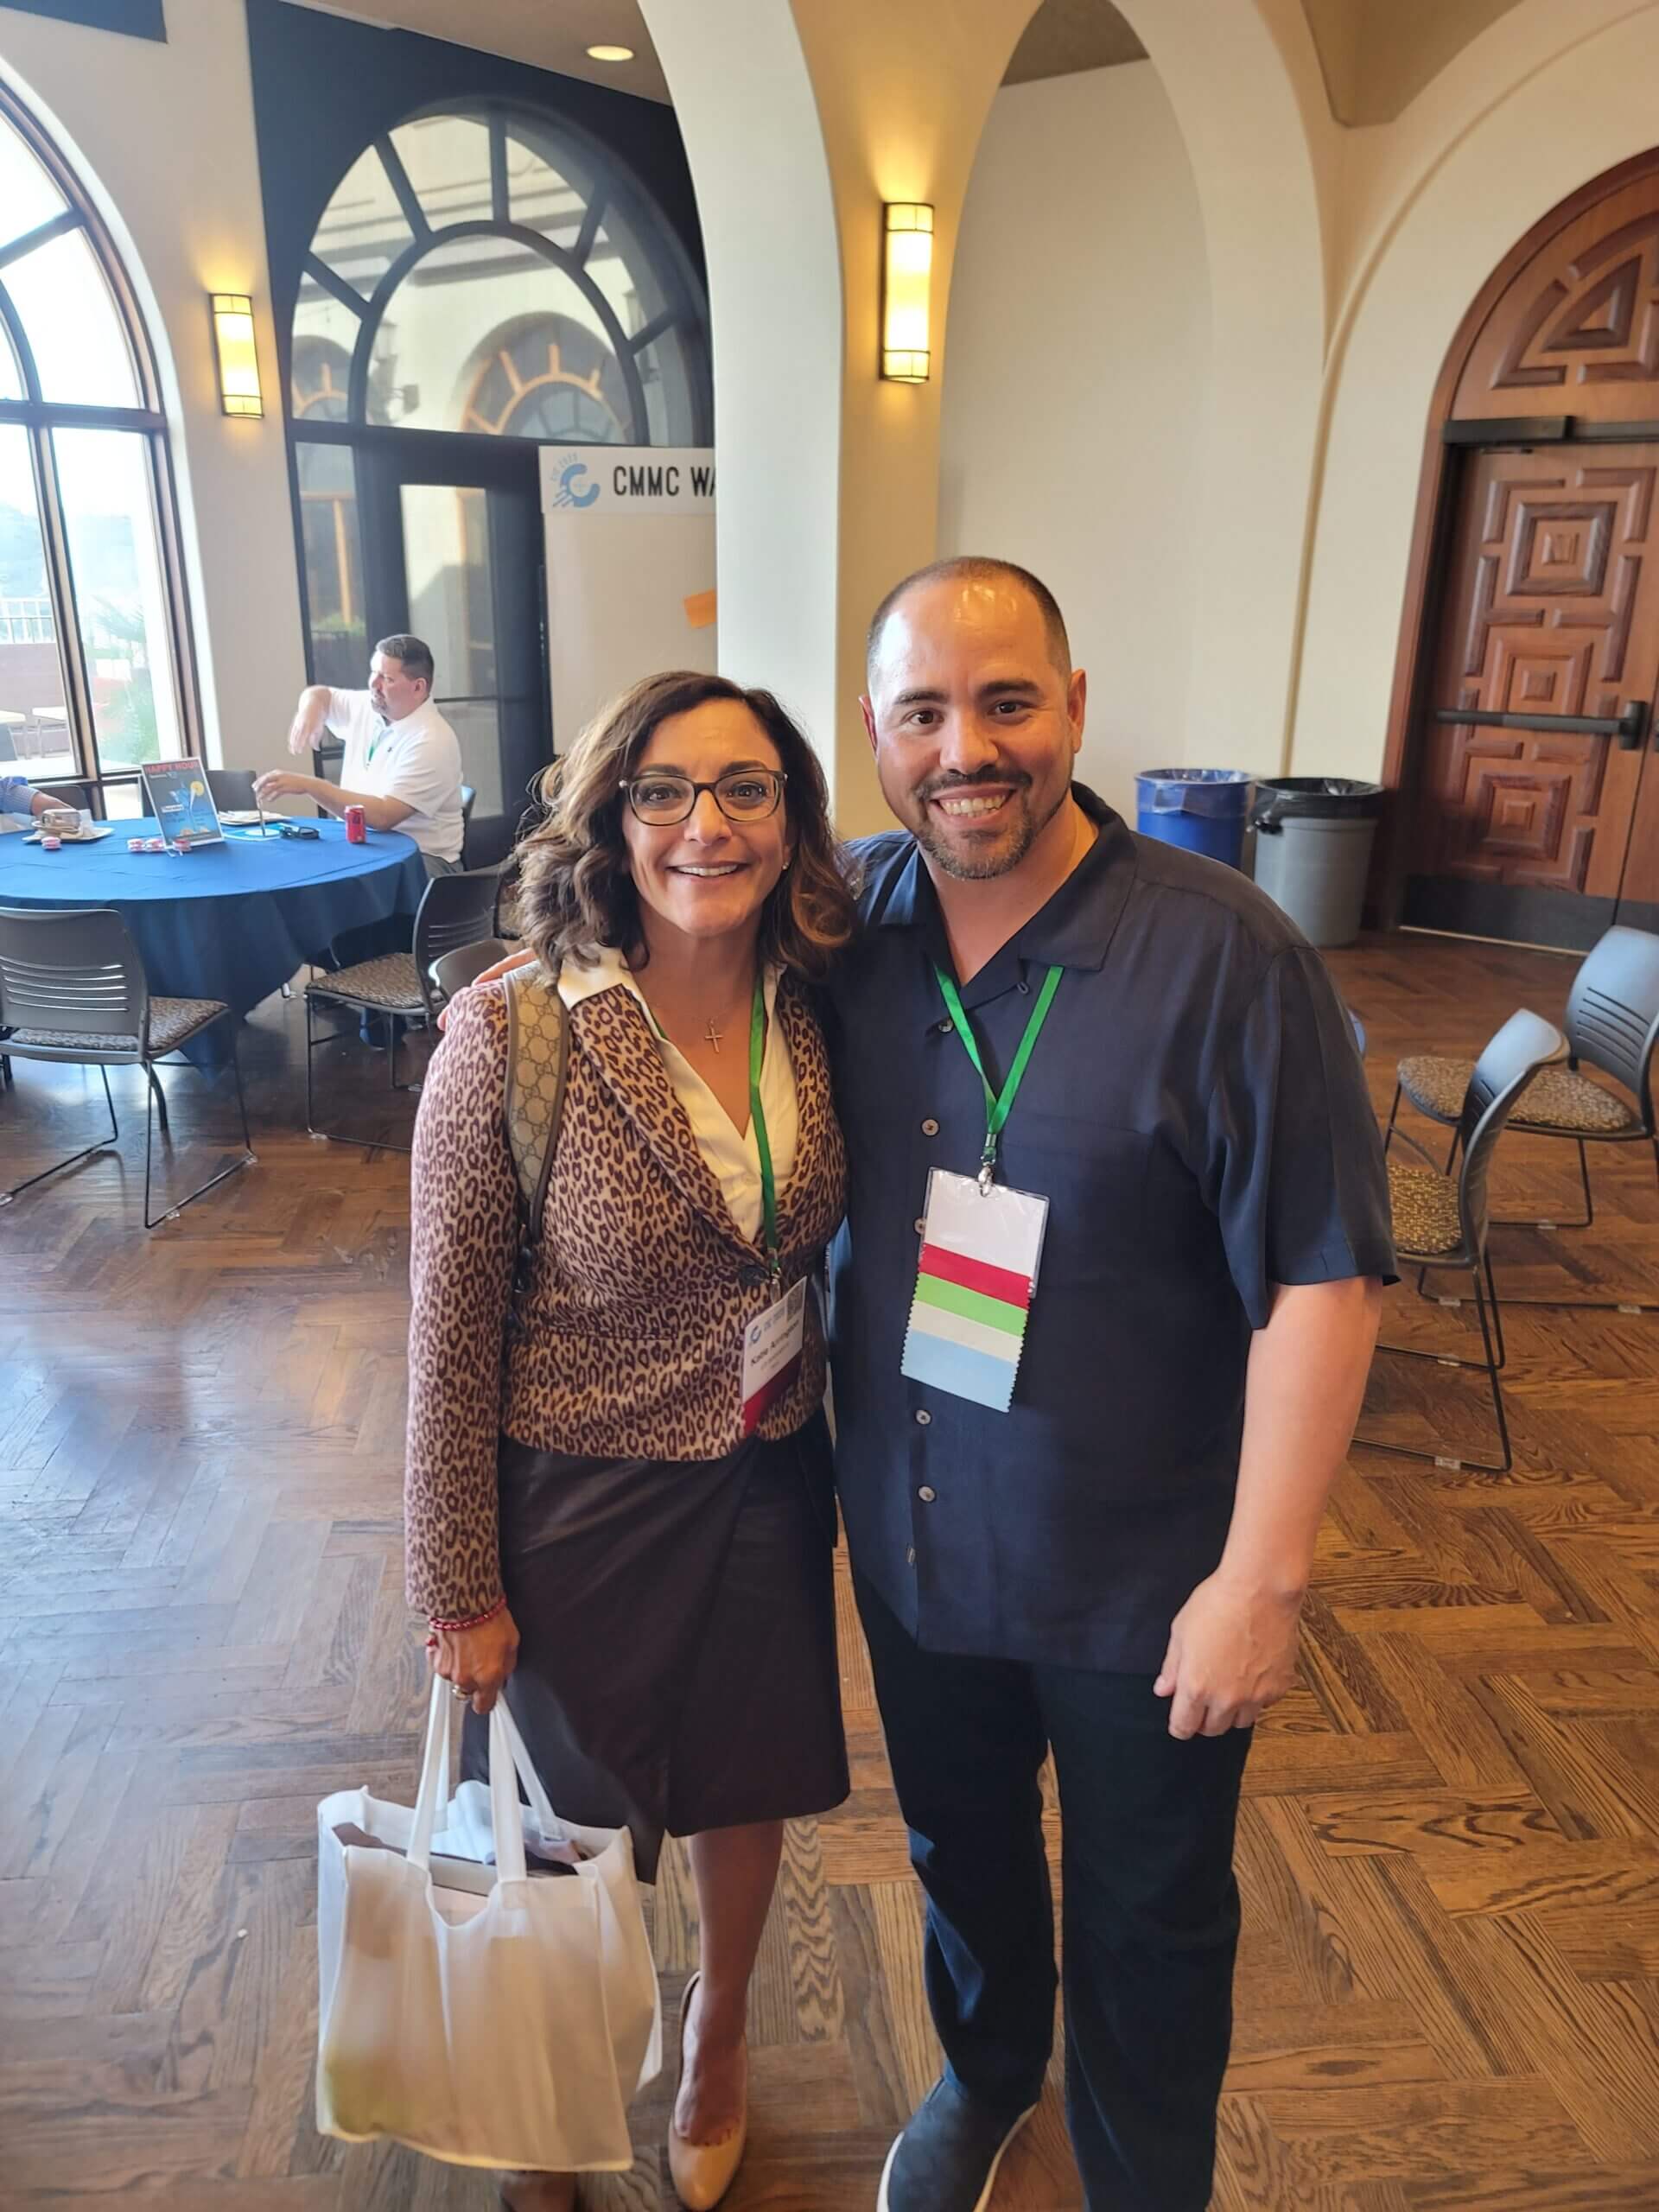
(1203, 809)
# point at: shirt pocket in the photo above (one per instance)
(1094, 1177)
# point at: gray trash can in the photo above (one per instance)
(1313, 851)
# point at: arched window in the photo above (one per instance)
(484, 270)
(92, 676)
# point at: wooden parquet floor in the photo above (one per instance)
(1449, 1984)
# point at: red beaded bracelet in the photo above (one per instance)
(477, 1621)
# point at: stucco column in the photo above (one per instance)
(799, 121)
(1244, 82)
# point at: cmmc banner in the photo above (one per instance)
(627, 480)
(630, 537)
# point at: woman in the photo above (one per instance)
(588, 1525)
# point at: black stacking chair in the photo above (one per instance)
(455, 911)
(1442, 1220)
(452, 971)
(72, 988)
(1612, 1024)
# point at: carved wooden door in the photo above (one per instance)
(1540, 712)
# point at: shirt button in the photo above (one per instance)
(927, 1494)
(944, 1029)
(910, 1556)
(929, 1127)
(1025, 987)
(921, 1224)
(923, 1419)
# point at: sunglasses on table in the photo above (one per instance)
(741, 794)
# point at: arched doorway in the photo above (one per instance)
(1524, 746)
(484, 278)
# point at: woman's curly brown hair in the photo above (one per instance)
(577, 893)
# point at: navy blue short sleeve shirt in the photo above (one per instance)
(1197, 1116)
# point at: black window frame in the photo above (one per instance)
(40, 417)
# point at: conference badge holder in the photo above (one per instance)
(981, 1247)
(771, 1355)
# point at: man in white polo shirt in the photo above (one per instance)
(402, 764)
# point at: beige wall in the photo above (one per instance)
(1206, 434)
(1537, 107)
(162, 138)
(1076, 390)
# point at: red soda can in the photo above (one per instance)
(356, 826)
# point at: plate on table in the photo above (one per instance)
(240, 817)
(88, 834)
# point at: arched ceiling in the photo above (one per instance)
(1377, 55)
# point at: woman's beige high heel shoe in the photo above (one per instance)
(537, 2192)
(703, 2172)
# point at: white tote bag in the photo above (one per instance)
(504, 2023)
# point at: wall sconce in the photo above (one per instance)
(238, 358)
(906, 283)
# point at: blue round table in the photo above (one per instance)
(231, 921)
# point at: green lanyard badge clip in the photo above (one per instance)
(998, 1106)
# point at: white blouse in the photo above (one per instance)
(734, 1161)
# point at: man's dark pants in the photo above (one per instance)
(1150, 1905)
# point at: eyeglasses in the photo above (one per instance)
(741, 795)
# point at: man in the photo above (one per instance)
(1113, 1565)
(17, 796)
(402, 764)
(1113, 1568)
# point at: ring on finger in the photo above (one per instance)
(456, 1690)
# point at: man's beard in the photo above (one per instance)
(1021, 832)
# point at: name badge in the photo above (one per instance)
(771, 1355)
(981, 1250)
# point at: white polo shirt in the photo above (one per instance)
(416, 761)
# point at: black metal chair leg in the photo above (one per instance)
(86, 1152)
(1498, 1312)
(176, 1208)
(1491, 1374)
(1394, 1110)
(161, 1098)
(342, 1136)
(150, 1108)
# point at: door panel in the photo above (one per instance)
(453, 552)
(1550, 609)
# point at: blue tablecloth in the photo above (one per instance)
(231, 921)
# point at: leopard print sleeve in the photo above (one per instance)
(462, 1250)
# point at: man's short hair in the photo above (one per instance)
(413, 652)
(978, 568)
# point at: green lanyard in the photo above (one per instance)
(997, 1108)
(758, 1115)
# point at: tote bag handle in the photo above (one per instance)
(508, 1758)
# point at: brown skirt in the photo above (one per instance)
(676, 1662)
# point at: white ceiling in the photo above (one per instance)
(1063, 36)
(549, 34)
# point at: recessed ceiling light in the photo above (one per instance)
(610, 54)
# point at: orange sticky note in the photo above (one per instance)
(699, 610)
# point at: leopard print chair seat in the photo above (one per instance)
(173, 1022)
(1559, 1099)
(1424, 1204)
(388, 984)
